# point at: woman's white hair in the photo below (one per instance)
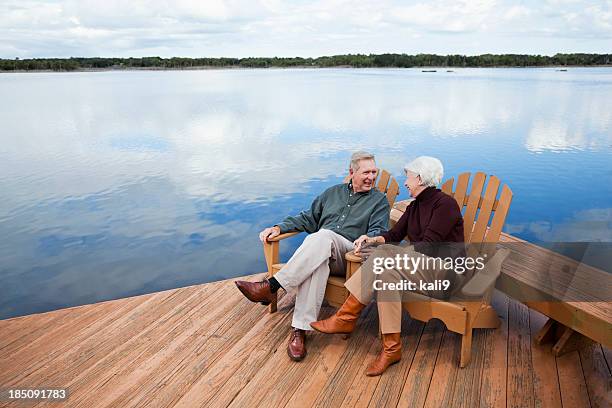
(428, 168)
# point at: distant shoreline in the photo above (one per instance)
(229, 67)
(419, 61)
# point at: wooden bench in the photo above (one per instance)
(575, 296)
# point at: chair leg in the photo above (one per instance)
(466, 348)
(271, 253)
(487, 318)
(272, 307)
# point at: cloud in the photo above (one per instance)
(63, 28)
(590, 225)
(515, 12)
(446, 16)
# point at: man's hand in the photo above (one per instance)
(361, 242)
(269, 233)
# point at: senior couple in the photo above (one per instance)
(349, 217)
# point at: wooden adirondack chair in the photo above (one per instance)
(335, 292)
(461, 316)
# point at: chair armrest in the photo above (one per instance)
(282, 236)
(272, 250)
(351, 257)
(484, 280)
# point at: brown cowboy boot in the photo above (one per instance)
(257, 291)
(344, 320)
(296, 348)
(390, 354)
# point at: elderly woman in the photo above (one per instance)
(431, 223)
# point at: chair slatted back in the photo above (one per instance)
(382, 180)
(483, 215)
(388, 186)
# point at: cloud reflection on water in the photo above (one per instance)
(123, 183)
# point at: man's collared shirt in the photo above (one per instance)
(343, 211)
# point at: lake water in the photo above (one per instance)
(121, 183)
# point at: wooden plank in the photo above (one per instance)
(495, 203)
(468, 381)
(596, 375)
(47, 361)
(485, 211)
(131, 372)
(219, 385)
(442, 384)
(279, 377)
(70, 330)
(559, 276)
(24, 363)
(520, 370)
(358, 351)
(607, 355)
(461, 190)
(447, 187)
(306, 393)
(495, 357)
(360, 389)
(54, 321)
(328, 363)
(419, 377)
(92, 352)
(571, 381)
(202, 350)
(392, 192)
(70, 321)
(391, 384)
(545, 377)
(383, 180)
(499, 218)
(540, 281)
(24, 327)
(473, 200)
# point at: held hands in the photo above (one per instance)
(269, 233)
(361, 242)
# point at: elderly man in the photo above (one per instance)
(334, 221)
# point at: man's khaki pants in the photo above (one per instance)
(389, 302)
(307, 272)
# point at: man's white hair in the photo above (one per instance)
(358, 156)
(428, 168)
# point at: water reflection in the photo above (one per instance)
(116, 184)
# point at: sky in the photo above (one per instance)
(243, 28)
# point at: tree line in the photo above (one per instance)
(348, 60)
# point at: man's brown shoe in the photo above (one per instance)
(296, 348)
(257, 291)
(344, 320)
(390, 354)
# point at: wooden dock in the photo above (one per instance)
(207, 346)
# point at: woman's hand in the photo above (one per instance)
(361, 242)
